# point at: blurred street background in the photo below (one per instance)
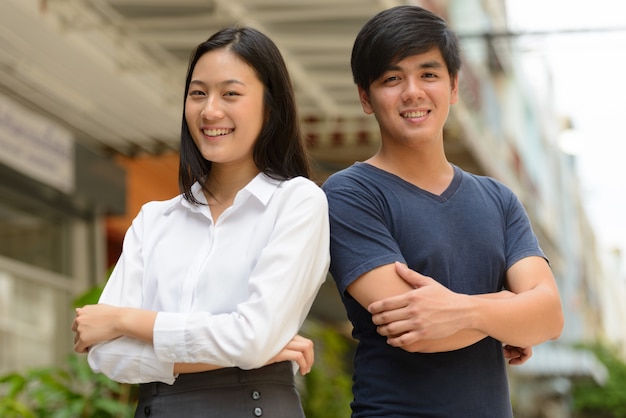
(584, 46)
(91, 95)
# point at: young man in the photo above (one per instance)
(430, 335)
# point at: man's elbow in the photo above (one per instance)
(553, 314)
(556, 321)
(558, 324)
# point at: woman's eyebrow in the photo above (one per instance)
(221, 83)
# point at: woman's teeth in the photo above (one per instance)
(216, 132)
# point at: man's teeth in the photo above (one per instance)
(216, 132)
(415, 114)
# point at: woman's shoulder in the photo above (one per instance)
(300, 181)
(302, 187)
(161, 207)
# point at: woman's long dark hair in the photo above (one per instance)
(279, 150)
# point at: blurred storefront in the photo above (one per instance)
(54, 196)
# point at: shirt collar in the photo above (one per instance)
(262, 187)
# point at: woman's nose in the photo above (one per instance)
(211, 109)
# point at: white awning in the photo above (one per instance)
(552, 360)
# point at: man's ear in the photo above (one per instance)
(454, 92)
(364, 97)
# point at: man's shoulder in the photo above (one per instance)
(343, 173)
(351, 175)
(486, 182)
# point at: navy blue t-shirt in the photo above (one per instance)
(466, 238)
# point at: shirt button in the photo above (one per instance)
(147, 411)
(258, 412)
(256, 395)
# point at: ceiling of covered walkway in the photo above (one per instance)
(112, 71)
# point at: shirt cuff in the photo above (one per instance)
(126, 360)
(168, 337)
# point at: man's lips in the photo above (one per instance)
(414, 114)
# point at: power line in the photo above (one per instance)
(511, 34)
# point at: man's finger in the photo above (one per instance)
(410, 276)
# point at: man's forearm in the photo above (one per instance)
(527, 319)
(461, 339)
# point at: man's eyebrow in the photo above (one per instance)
(431, 64)
(426, 64)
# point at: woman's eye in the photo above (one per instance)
(196, 93)
(231, 93)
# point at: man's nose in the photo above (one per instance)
(413, 89)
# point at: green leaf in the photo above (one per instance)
(90, 297)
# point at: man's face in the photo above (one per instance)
(411, 99)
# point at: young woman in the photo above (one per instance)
(205, 303)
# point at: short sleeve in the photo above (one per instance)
(360, 237)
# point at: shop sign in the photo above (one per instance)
(36, 146)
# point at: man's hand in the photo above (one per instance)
(517, 355)
(430, 311)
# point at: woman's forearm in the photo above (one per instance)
(136, 323)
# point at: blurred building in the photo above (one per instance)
(516, 138)
(54, 196)
(90, 108)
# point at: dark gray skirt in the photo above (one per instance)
(225, 393)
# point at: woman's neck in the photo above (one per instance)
(224, 182)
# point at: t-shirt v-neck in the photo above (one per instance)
(443, 197)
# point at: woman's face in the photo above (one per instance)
(224, 108)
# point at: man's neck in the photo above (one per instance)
(428, 171)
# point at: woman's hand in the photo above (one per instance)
(94, 324)
(300, 350)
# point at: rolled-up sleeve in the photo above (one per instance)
(125, 359)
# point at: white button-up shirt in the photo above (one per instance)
(230, 294)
